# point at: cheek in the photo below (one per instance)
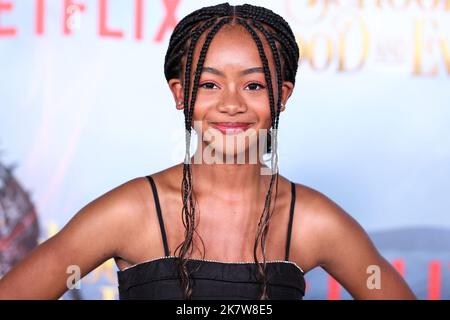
(263, 114)
(201, 108)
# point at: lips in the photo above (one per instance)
(231, 127)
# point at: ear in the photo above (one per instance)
(176, 87)
(286, 91)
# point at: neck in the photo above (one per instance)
(231, 182)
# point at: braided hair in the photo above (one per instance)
(178, 64)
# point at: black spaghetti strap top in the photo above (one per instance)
(158, 279)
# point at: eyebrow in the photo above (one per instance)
(242, 73)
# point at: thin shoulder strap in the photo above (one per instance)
(291, 216)
(160, 218)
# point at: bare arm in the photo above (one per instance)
(91, 237)
(348, 254)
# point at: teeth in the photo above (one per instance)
(232, 125)
(209, 260)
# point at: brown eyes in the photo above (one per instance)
(254, 86)
(208, 85)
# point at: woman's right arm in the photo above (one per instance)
(91, 237)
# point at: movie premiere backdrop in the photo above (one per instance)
(84, 107)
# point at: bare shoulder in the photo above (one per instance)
(314, 215)
(122, 215)
(325, 235)
(117, 211)
(327, 218)
(324, 218)
(93, 235)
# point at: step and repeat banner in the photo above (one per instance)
(84, 107)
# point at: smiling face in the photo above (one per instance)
(232, 98)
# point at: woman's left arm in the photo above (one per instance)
(348, 254)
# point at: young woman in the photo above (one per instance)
(209, 228)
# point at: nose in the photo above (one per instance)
(232, 102)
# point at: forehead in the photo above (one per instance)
(232, 45)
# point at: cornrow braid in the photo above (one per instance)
(178, 64)
(264, 219)
(274, 178)
(282, 33)
(189, 110)
(201, 61)
(187, 77)
(266, 74)
(186, 185)
(265, 63)
(276, 21)
(276, 56)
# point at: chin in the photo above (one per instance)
(217, 153)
